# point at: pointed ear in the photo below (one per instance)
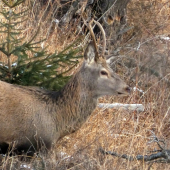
(90, 53)
(110, 59)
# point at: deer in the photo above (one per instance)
(32, 116)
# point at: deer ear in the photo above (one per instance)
(110, 59)
(90, 53)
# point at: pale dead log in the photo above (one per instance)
(129, 107)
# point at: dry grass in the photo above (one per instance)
(145, 54)
(120, 131)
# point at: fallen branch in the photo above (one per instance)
(130, 107)
(165, 154)
(161, 156)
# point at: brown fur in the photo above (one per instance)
(31, 116)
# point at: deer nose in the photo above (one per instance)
(128, 89)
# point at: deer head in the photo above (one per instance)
(101, 78)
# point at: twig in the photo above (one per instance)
(165, 154)
(162, 156)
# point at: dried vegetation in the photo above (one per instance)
(143, 60)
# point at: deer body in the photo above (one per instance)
(31, 116)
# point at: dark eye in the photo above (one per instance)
(104, 73)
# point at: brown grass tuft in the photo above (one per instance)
(144, 62)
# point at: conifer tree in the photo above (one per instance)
(39, 70)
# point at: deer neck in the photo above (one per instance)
(76, 104)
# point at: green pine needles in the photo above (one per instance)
(42, 69)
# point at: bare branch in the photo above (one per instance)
(164, 154)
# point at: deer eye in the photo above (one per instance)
(104, 73)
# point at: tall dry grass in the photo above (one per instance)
(144, 63)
